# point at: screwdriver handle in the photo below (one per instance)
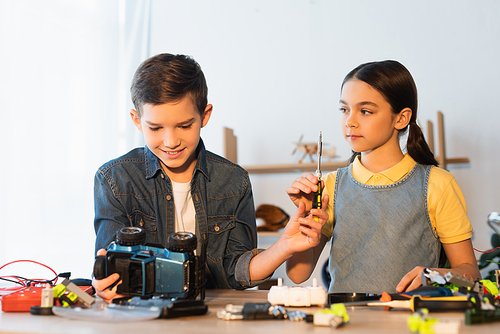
(440, 305)
(317, 199)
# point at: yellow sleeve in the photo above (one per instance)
(447, 207)
(327, 229)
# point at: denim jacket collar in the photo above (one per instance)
(153, 164)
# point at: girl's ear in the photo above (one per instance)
(403, 119)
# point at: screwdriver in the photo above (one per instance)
(318, 195)
(433, 304)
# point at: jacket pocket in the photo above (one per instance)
(146, 222)
(218, 235)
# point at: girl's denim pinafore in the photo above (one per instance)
(380, 232)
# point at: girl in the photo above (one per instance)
(390, 213)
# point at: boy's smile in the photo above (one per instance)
(172, 133)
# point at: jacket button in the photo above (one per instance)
(216, 228)
(169, 197)
(141, 223)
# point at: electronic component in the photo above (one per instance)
(47, 296)
(47, 302)
(22, 300)
(74, 294)
(334, 317)
(252, 311)
(39, 296)
(170, 308)
(420, 322)
(429, 277)
(464, 281)
(475, 316)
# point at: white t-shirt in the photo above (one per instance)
(184, 207)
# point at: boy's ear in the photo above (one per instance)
(403, 119)
(136, 119)
(206, 115)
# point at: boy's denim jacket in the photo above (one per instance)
(133, 190)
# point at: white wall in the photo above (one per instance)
(274, 70)
(64, 108)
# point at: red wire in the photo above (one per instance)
(31, 261)
(24, 281)
(473, 248)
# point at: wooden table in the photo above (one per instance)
(362, 320)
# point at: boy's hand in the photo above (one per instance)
(302, 190)
(101, 286)
(302, 232)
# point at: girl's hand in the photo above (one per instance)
(302, 190)
(101, 286)
(410, 281)
(302, 232)
(462, 261)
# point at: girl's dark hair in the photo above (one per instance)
(167, 78)
(391, 79)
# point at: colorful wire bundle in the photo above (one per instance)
(23, 282)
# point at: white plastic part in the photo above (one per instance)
(447, 325)
(297, 295)
(494, 216)
(322, 319)
(318, 294)
(494, 221)
(47, 296)
(278, 294)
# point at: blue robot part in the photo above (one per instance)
(151, 270)
(147, 270)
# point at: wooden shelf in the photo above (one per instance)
(231, 153)
(441, 158)
(295, 168)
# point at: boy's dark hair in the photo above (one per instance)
(167, 78)
(391, 79)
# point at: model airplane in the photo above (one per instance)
(311, 149)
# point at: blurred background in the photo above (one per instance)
(274, 70)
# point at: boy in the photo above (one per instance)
(174, 184)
